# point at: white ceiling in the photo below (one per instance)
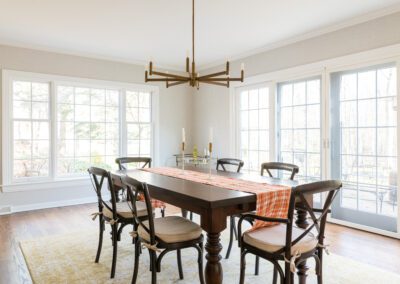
(137, 30)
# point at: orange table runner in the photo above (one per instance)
(272, 200)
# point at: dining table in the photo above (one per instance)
(214, 205)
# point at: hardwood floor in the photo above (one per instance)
(365, 247)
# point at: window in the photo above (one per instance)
(364, 139)
(254, 127)
(87, 128)
(299, 128)
(61, 126)
(31, 129)
(138, 120)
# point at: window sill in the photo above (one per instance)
(45, 185)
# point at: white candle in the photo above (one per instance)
(210, 138)
(242, 67)
(183, 135)
(187, 53)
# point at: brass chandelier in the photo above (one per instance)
(193, 78)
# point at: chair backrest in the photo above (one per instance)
(298, 197)
(135, 189)
(228, 161)
(279, 166)
(99, 178)
(123, 161)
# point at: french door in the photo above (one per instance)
(363, 150)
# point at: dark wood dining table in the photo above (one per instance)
(213, 204)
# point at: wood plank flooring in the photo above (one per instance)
(365, 247)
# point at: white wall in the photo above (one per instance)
(212, 102)
(175, 111)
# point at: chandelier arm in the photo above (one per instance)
(169, 75)
(213, 75)
(193, 34)
(167, 80)
(216, 83)
(228, 79)
(176, 83)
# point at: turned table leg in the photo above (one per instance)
(301, 220)
(213, 270)
(302, 272)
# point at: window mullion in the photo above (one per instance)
(53, 130)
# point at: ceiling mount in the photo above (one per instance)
(193, 78)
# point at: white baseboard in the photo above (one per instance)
(44, 205)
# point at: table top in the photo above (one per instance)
(206, 196)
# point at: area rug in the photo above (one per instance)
(69, 258)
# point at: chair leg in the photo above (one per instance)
(178, 254)
(191, 216)
(242, 265)
(234, 227)
(257, 266)
(200, 262)
(136, 267)
(100, 245)
(228, 252)
(114, 237)
(163, 212)
(275, 277)
(153, 259)
(319, 274)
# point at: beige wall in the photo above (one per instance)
(175, 107)
(374, 34)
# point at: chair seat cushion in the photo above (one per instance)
(125, 211)
(172, 229)
(271, 239)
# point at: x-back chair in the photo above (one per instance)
(286, 242)
(165, 234)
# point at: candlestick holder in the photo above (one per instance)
(183, 157)
(209, 160)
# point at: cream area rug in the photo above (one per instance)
(70, 259)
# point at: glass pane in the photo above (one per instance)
(314, 165)
(65, 166)
(264, 140)
(263, 94)
(286, 118)
(348, 114)
(40, 168)
(367, 141)
(132, 115)
(82, 96)
(112, 147)
(66, 148)
(82, 148)
(98, 97)
(40, 92)
(244, 120)
(65, 112)
(112, 114)
(313, 116)
(367, 113)
(366, 170)
(40, 148)
(299, 117)
(349, 141)
(263, 119)
(253, 140)
(349, 196)
(22, 130)
(40, 130)
(22, 109)
(144, 100)
(97, 113)
(367, 198)
(132, 99)
(144, 115)
(83, 163)
(366, 84)
(66, 130)
(387, 82)
(133, 131)
(133, 147)
(112, 130)
(287, 140)
(40, 110)
(348, 87)
(65, 95)
(112, 98)
(387, 111)
(97, 148)
(22, 90)
(82, 130)
(22, 168)
(313, 141)
(145, 147)
(387, 141)
(349, 168)
(244, 140)
(253, 99)
(253, 161)
(145, 131)
(286, 95)
(97, 131)
(313, 92)
(299, 93)
(244, 100)
(253, 119)
(299, 140)
(22, 149)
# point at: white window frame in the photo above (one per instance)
(9, 184)
(323, 69)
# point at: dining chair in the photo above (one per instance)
(117, 214)
(293, 169)
(232, 230)
(165, 234)
(138, 162)
(229, 161)
(286, 242)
